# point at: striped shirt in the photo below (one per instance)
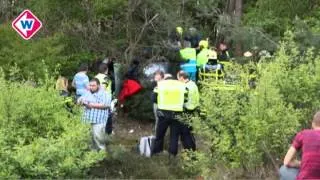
(308, 141)
(93, 115)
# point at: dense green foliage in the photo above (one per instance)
(253, 128)
(79, 31)
(39, 138)
(247, 129)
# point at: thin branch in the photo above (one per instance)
(253, 29)
(269, 155)
(131, 47)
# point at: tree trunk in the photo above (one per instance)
(231, 7)
(237, 22)
(238, 12)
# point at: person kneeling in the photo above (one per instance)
(308, 141)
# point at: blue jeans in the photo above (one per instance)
(287, 173)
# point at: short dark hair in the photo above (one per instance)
(103, 68)
(159, 72)
(95, 80)
(183, 74)
(83, 67)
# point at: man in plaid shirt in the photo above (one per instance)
(96, 111)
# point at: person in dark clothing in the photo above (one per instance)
(110, 65)
(133, 70)
(223, 52)
(193, 37)
(158, 76)
(179, 129)
(110, 62)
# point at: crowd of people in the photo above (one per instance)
(174, 99)
(196, 54)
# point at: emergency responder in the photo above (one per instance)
(193, 99)
(175, 39)
(179, 33)
(105, 81)
(170, 97)
(203, 55)
(189, 62)
(213, 65)
(158, 76)
(191, 107)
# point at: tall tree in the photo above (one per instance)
(235, 10)
(237, 22)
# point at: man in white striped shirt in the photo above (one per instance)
(96, 111)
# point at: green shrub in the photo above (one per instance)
(39, 138)
(29, 55)
(252, 129)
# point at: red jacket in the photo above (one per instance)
(130, 87)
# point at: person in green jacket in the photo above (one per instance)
(189, 62)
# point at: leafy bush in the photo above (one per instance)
(28, 56)
(251, 129)
(39, 138)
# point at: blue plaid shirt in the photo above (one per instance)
(93, 115)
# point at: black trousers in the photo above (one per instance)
(177, 129)
(165, 120)
(109, 124)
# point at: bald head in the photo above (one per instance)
(316, 120)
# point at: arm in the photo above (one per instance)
(97, 106)
(186, 95)
(103, 103)
(289, 158)
(155, 95)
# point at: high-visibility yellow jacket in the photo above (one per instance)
(171, 95)
(188, 54)
(193, 100)
(105, 82)
(202, 57)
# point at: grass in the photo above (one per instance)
(126, 163)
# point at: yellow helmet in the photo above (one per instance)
(212, 54)
(179, 30)
(204, 44)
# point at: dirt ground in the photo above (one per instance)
(124, 162)
(123, 159)
(126, 128)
